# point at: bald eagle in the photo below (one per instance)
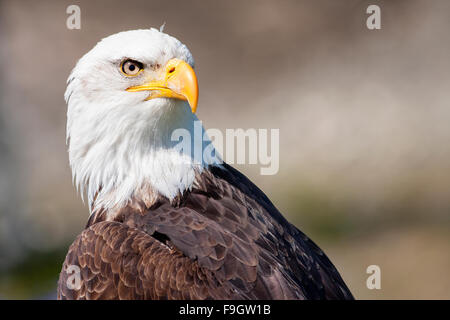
(165, 224)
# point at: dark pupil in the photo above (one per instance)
(132, 67)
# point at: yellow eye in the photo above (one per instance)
(131, 67)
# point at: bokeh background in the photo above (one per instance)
(363, 117)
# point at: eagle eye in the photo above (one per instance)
(131, 67)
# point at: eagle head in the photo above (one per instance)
(125, 98)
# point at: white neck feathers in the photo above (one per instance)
(120, 152)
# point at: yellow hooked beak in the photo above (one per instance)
(178, 81)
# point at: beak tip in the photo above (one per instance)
(193, 104)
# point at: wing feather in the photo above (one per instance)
(223, 239)
(141, 267)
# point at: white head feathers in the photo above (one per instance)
(118, 141)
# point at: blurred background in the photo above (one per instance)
(363, 117)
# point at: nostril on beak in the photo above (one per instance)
(172, 70)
